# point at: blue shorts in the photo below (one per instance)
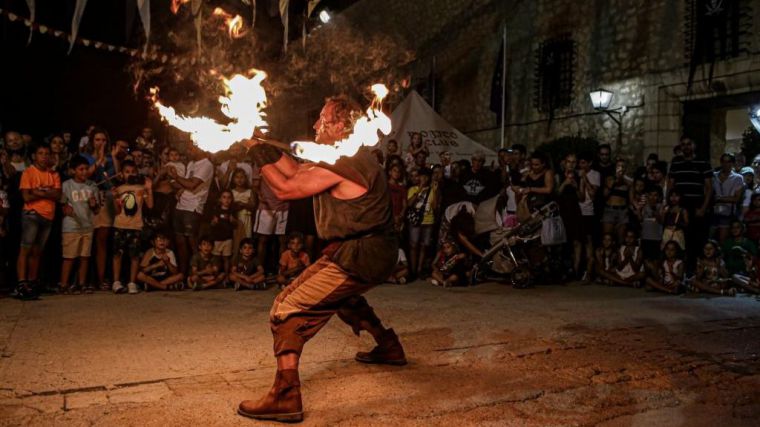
(34, 229)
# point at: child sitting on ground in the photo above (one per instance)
(711, 275)
(207, 270)
(246, 272)
(749, 280)
(668, 275)
(223, 224)
(605, 258)
(628, 271)
(158, 267)
(293, 261)
(401, 271)
(735, 249)
(449, 266)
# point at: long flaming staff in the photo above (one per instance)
(244, 101)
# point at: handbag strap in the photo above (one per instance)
(425, 200)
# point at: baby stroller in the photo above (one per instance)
(517, 254)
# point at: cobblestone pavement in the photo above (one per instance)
(489, 355)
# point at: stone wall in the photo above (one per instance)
(635, 48)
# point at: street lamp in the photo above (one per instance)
(601, 100)
(324, 16)
(754, 116)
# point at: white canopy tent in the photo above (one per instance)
(415, 115)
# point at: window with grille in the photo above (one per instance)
(717, 29)
(555, 64)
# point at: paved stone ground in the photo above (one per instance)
(489, 355)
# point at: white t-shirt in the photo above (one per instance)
(193, 201)
(179, 167)
(587, 206)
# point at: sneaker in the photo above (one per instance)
(25, 291)
(402, 281)
(89, 289)
(118, 288)
(106, 287)
(133, 288)
(236, 286)
(75, 290)
(435, 282)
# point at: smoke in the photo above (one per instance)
(338, 58)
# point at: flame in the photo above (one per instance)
(364, 134)
(234, 23)
(243, 102)
(174, 7)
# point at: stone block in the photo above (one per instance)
(85, 399)
(139, 394)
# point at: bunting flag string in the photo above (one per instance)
(44, 29)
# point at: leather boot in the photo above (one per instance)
(282, 403)
(387, 352)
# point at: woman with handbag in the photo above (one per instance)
(420, 215)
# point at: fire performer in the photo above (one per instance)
(353, 213)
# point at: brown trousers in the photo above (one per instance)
(305, 306)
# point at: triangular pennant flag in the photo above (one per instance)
(32, 11)
(284, 17)
(75, 20)
(143, 7)
(310, 8)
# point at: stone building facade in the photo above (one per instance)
(637, 49)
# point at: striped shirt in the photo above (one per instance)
(689, 179)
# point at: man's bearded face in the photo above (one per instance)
(328, 126)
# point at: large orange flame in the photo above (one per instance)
(243, 102)
(364, 134)
(234, 24)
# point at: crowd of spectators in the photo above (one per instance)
(172, 217)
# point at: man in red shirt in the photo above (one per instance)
(40, 188)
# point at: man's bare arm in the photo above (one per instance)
(307, 181)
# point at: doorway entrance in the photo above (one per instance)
(715, 122)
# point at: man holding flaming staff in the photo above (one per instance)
(353, 213)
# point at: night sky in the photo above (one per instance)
(45, 90)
